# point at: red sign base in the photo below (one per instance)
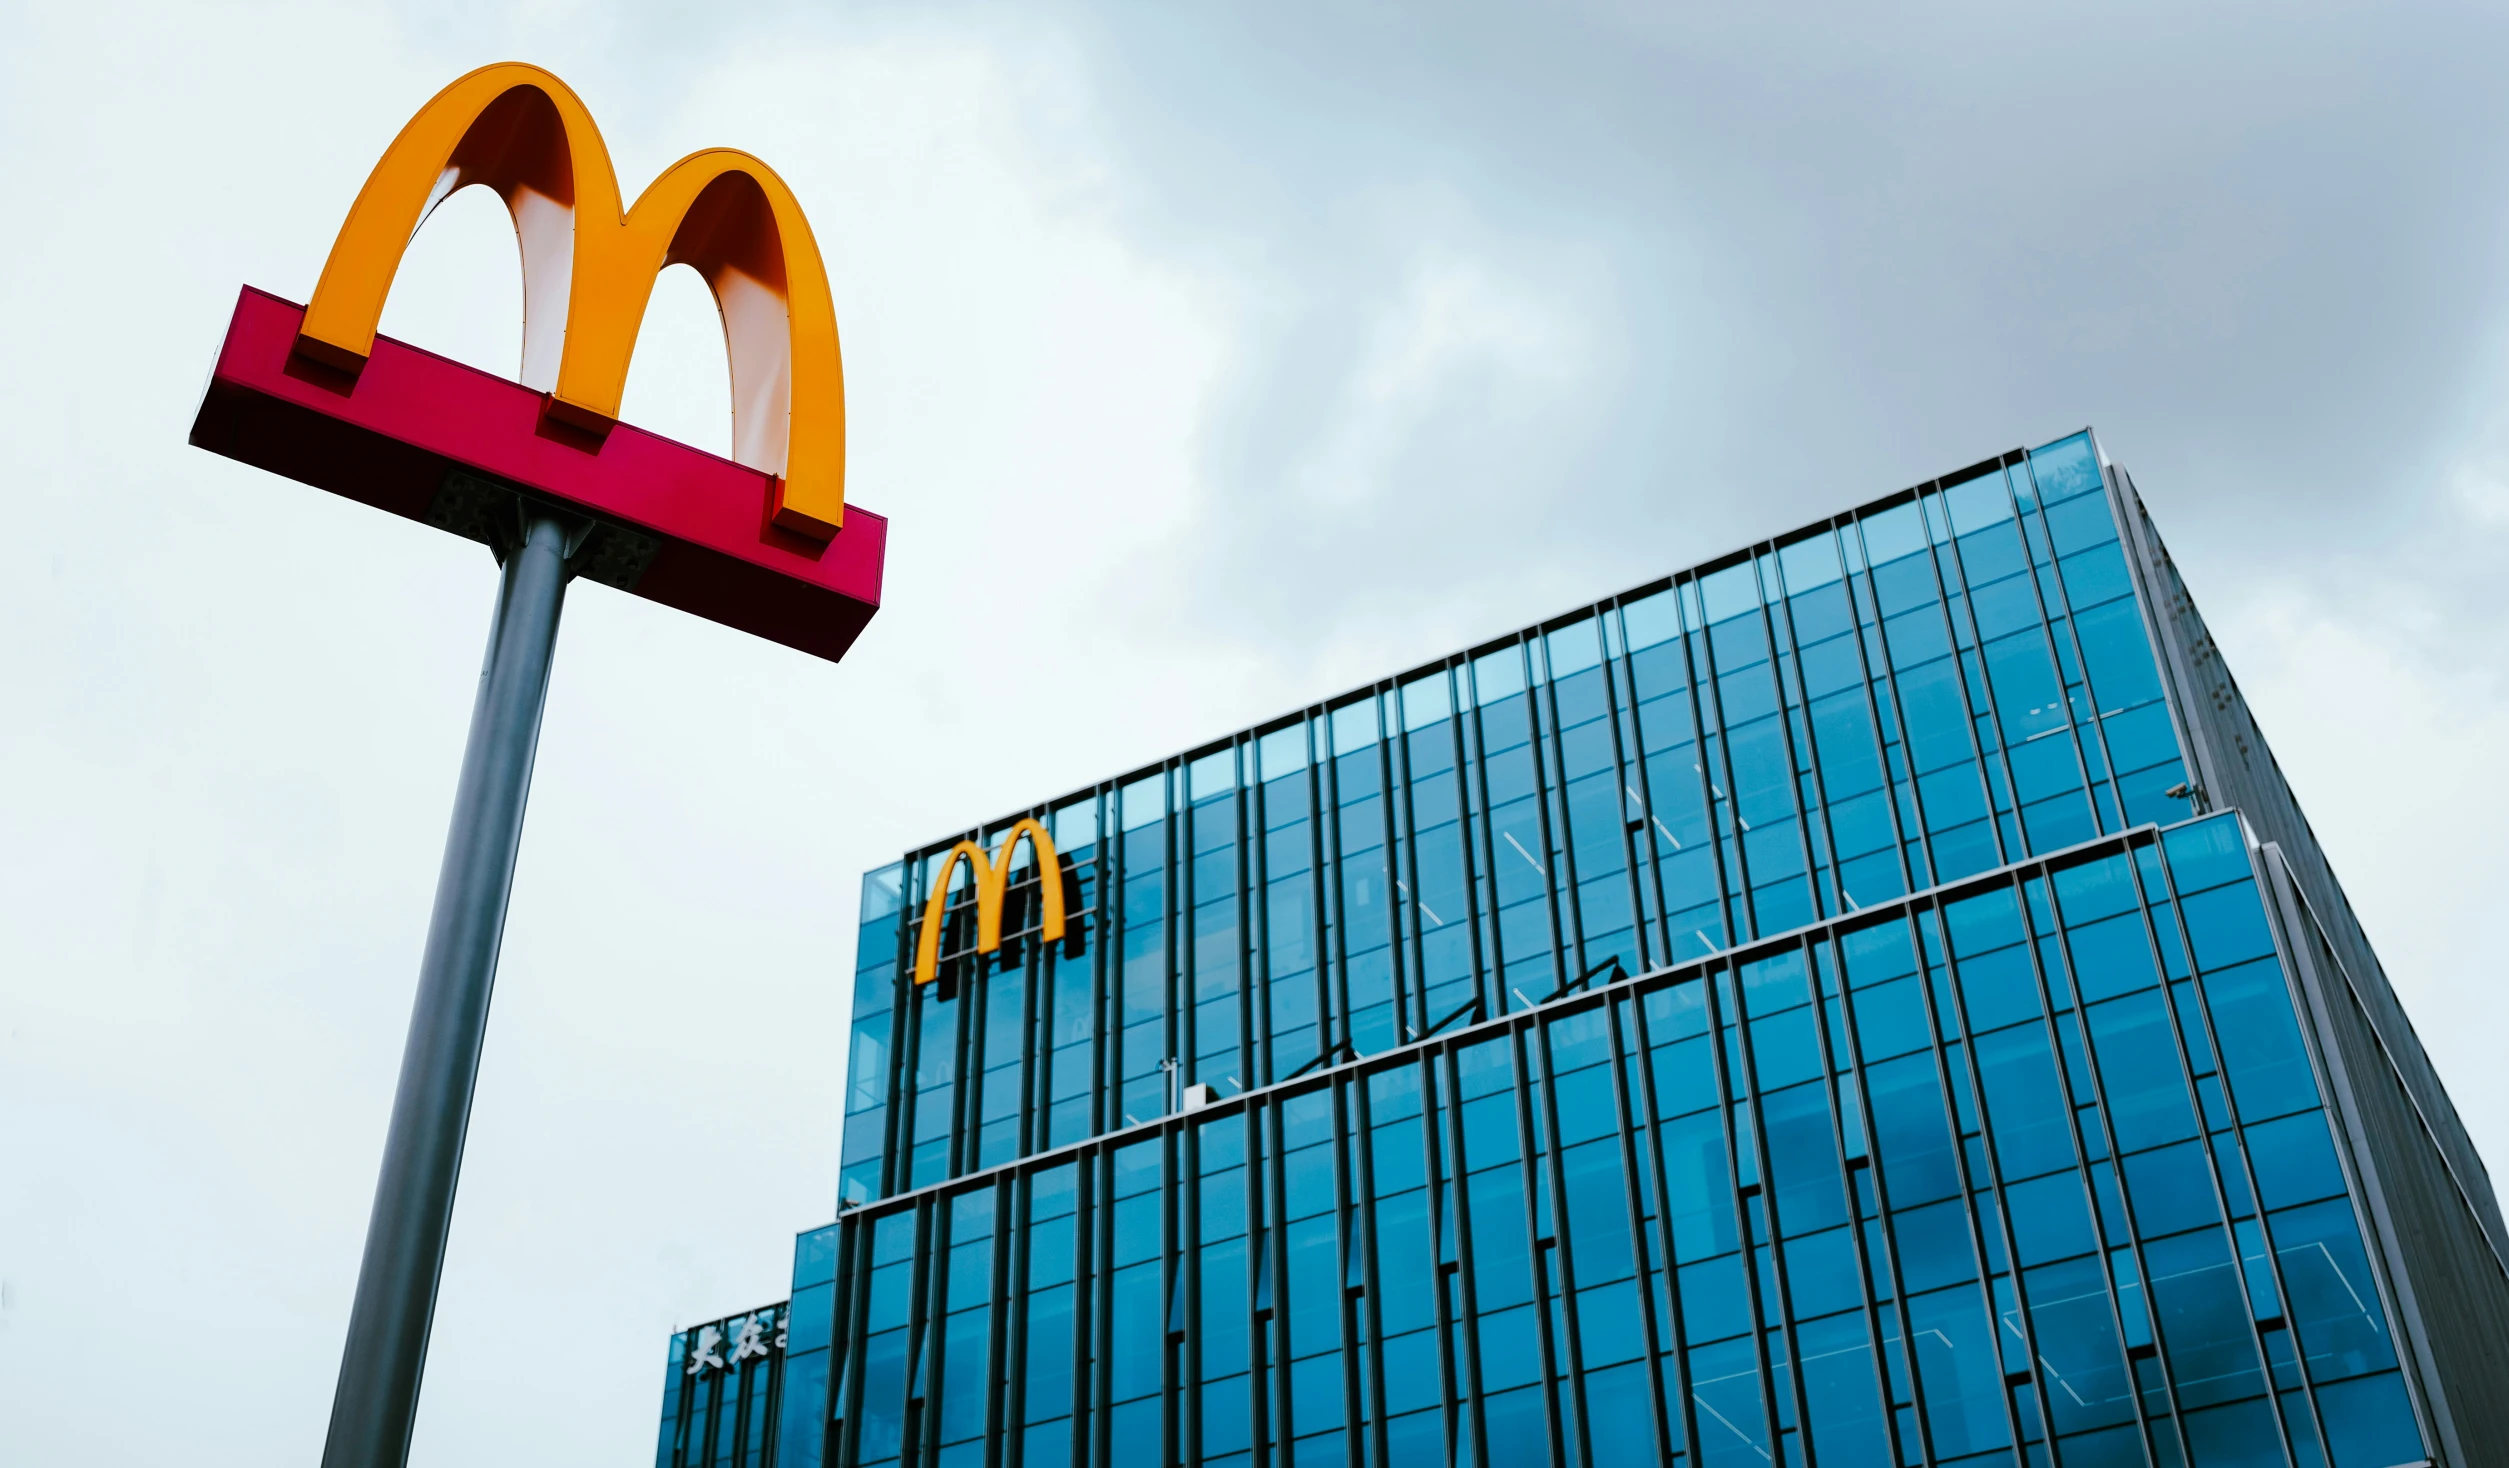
(423, 437)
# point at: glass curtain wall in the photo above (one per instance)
(2033, 1167)
(724, 1390)
(1941, 683)
(809, 1330)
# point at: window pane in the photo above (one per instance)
(2032, 1134)
(1848, 1427)
(2334, 1301)
(2084, 1362)
(2260, 1040)
(2140, 1069)
(1959, 1371)
(1911, 1134)
(2204, 1323)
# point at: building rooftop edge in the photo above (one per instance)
(1691, 572)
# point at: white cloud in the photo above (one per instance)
(2481, 492)
(1456, 323)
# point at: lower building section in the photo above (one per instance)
(2038, 1167)
(722, 1391)
(2452, 1291)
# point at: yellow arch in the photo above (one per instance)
(992, 881)
(589, 269)
(1049, 887)
(928, 943)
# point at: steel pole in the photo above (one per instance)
(377, 1399)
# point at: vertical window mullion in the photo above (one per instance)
(1106, 962)
(1799, 746)
(1781, 649)
(1931, 913)
(1879, 684)
(1185, 1033)
(905, 1040)
(1461, 1332)
(1324, 873)
(967, 1079)
(1442, 1178)
(1542, 1270)
(1008, 1216)
(2003, 736)
(1764, 1162)
(1718, 1019)
(1629, 778)
(1890, 1232)
(1698, 661)
(1472, 804)
(1832, 1066)
(1560, 839)
(1359, 1338)
(1028, 1123)
(1331, 967)
(1556, 1281)
(1660, 916)
(2049, 632)
(1254, 877)
(2116, 1162)
(1368, 1362)
(1250, 891)
(2012, 1244)
(1483, 837)
(1178, 852)
(2118, 511)
(1412, 1017)
(1542, 737)
(1936, 557)
(2212, 1156)
(1179, 1183)
(1675, 1338)
(1716, 770)
(1630, 1112)
(1094, 1301)
(1394, 816)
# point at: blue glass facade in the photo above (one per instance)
(1868, 999)
(723, 1391)
(2037, 1159)
(1933, 686)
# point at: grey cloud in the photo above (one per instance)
(1822, 254)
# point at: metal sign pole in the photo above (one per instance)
(377, 1399)
(762, 542)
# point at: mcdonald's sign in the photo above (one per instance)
(762, 541)
(543, 471)
(992, 878)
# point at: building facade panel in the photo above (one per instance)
(810, 1327)
(1936, 685)
(723, 1393)
(2037, 1159)
(1867, 999)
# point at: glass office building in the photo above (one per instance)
(723, 1392)
(1868, 999)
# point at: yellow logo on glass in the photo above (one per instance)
(993, 876)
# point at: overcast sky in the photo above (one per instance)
(1208, 360)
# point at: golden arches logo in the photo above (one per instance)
(992, 882)
(589, 266)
